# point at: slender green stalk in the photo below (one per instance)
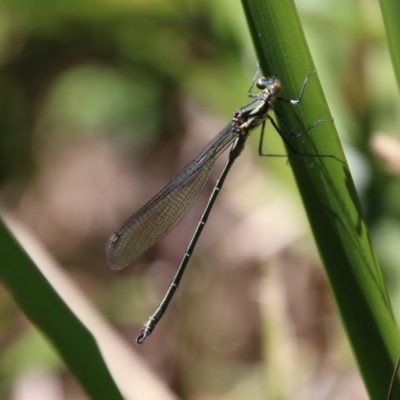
(43, 306)
(390, 12)
(330, 199)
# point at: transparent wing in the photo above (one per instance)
(164, 211)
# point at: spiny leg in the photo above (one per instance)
(249, 94)
(290, 131)
(261, 143)
(287, 142)
(297, 101)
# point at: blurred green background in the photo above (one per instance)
(101, 103)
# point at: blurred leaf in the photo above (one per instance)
(390, 11)
(48, 312)
(94, 99)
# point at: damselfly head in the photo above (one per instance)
(273, 85)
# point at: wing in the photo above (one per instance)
(164, 211)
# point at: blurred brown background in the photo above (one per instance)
(101, 103)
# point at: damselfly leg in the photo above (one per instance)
(263, 82)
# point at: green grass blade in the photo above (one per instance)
(330, 199)
(43, 306)
(390, 12)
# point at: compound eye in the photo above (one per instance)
(261, 83)
(275, 88)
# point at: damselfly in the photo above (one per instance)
(164, 211)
